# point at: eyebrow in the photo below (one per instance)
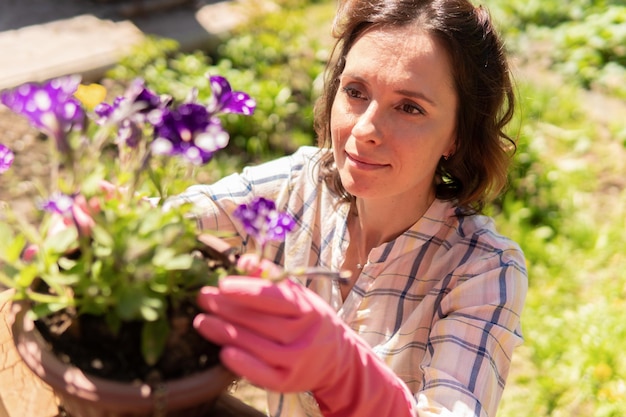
(417, 95)
(408, 93)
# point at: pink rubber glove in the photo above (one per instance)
(285, 338)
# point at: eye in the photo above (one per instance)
(411, 108)
(353, 92)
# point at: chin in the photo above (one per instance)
(359, 192)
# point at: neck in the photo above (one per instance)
(372, 224)
(383, 221)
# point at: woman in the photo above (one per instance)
(412, 147)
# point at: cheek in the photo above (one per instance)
(337, 125)
(337, 137)
(341, 122)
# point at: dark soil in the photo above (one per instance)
(89, 344)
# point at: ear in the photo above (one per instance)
(450, 150)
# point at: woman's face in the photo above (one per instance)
(394, 115)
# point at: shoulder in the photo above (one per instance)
(484, 258)
(481, 233)
(475, 239)
(483, 264)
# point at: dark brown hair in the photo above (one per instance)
(477, 171)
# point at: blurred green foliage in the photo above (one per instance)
(549, 13)
(585, 39)
(567, 212)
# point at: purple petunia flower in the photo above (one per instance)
(194, 131)
(263, 221)
(104, 111)
(189, 131)
(58, 203)
(50, 107)
(146, 99)
(224, 100)
(6, 158)
(136, 99)
(131, 110)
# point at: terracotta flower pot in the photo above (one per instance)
(83, 395)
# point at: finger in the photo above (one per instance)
(249, 264)
(214, 329)
(285, 298)
(257, 372)
(253, 265)
(270, 352)
(205, 298)
(248, 293)
(276, 327)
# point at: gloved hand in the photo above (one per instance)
(285, 338)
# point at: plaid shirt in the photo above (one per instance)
(440, 304)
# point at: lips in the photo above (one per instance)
(364, 162)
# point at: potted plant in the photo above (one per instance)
(104, 278)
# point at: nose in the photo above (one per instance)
(368, 124)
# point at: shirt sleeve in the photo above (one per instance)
(214, 204)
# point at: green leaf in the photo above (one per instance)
(158, 287)
(152, 308)
(148, 313)
(165, 258)
(102, 251)
(129, 303)
(67, 279)
(180, 263)
(66, 263)
(137, 248)
(153, 337)
(102, 236)
(27, 276)
(45, 309)
(62, 241)
(91, 185)
(151, 222)
(96, 269)
(171, 234)
(10, 247)
(7, 274)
